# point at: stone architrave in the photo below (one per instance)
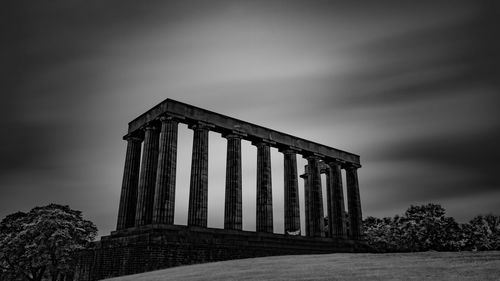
(198, 190)
(233, 196)
(291, 193)
(316, 212)
(353, 202)
(336, 207)
(164, 203)
(145, 200)
(264, 218)
(128, 198)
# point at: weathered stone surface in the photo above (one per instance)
(162, 246)
(128, 198)
(164, 203)
(145, 200)
(264, 217)
(198, 191)
(223, 124)
(315, 197)
(336, 207)
(307, 205)
(354, 203)
(233, 200)
(291, 192)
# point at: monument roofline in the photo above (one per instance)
(225, 124)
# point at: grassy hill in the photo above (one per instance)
(407, 266)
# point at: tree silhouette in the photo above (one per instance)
(427, 227)
(42, 243)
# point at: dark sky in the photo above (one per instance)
(411, 87)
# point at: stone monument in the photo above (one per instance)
(146, 238)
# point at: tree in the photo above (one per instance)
(376, 232)
(385, 235)
(427, 228)
(483, 233)
(421, 228)
(42, 243)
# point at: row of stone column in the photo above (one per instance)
(337, 218)
(148, 195)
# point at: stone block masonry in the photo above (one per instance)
(162, 246)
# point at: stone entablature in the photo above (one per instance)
(189, 114)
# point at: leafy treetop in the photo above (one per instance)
(42, 242)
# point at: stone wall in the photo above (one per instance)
(154, 247)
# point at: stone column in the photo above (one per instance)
(292, 207)
(353, 202)
(264, 218)
(316, 199)
(307, 198)
(164, 203)
(335, 194)
(198, 190)
(145, 200)
(232, 208)
(128, 198)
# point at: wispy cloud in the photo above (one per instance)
(412, 88)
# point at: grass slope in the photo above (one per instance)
(407, 266)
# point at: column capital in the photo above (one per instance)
(265, 142)
(133, 138)
(173, 116)
(324, 167)
(289, 149)
(166, 118)
(350, 166)
(150, 126)
(334, 161)
(200, 125)
(313, 156)
(234, 135)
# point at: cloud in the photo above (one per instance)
(412, 89)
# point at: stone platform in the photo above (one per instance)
(153, 247)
